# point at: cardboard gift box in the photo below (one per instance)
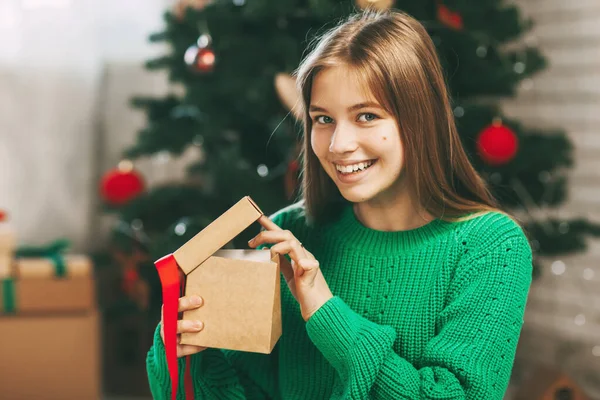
(240, 288)
(6, 260)
(241, 310)
(50, 357)
(7, 237)
(7, 248)
(54, 284)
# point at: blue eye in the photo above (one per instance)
(367, 117)
(323, 119)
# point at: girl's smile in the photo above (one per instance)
(353, 171)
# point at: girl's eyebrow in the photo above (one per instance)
(316, 108)
(355, 107)
(368, 104)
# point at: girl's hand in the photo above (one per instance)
(304, 277)
(185, 303)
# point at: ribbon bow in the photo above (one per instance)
(53, 251)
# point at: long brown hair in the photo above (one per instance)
(396, 59)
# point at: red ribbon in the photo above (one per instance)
(168, 271)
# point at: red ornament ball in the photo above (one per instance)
(200, 59)
(120, 185)
(497, 145)
(451, 19)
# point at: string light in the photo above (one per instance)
(558, 267)
(580, 319)
(163, 157)
(519, 67)
(262, 170)
(459, 112)
(180, 228)
(588, 274)
(203, 40)
(527, 84)
(137, 224)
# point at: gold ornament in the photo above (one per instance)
(288, 94)
(375, 4)
(182, 5)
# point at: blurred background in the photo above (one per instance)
(126, 127)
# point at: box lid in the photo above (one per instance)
(216, 235)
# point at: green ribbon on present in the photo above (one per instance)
(54, 251)
(8, 296)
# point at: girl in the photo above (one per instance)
(407, 282)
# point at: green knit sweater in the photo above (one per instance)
(430, 313)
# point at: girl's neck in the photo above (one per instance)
(399, 215)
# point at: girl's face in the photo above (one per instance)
(356, 141)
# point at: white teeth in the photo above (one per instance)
(346, 169)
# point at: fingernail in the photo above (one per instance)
(198, 325)
(197, 300)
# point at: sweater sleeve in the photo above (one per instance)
(213, 375)
(472, 354)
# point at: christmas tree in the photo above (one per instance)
(234, 58)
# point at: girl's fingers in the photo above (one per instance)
(307, 264)
(308, 269)
(186, 325)
(271, 237)
(286, 268)
(268, 224)
(189, 302)
(293, 248)
(188, 349)
(303, 259)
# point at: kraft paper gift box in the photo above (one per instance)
(43, 285)
(7, 237)
(240, 288)
(7, 248)
(50, 357)
(6, 260)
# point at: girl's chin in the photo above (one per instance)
(356, 194)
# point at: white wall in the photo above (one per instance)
(55, 57)
(567, 95)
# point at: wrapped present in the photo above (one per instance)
(7, 238)
(43, 279)
(70, 266)
(7, 246)
(7, 235)
(6, 263)
(225, 279)
(51, 357)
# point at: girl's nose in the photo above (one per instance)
(343, 140)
